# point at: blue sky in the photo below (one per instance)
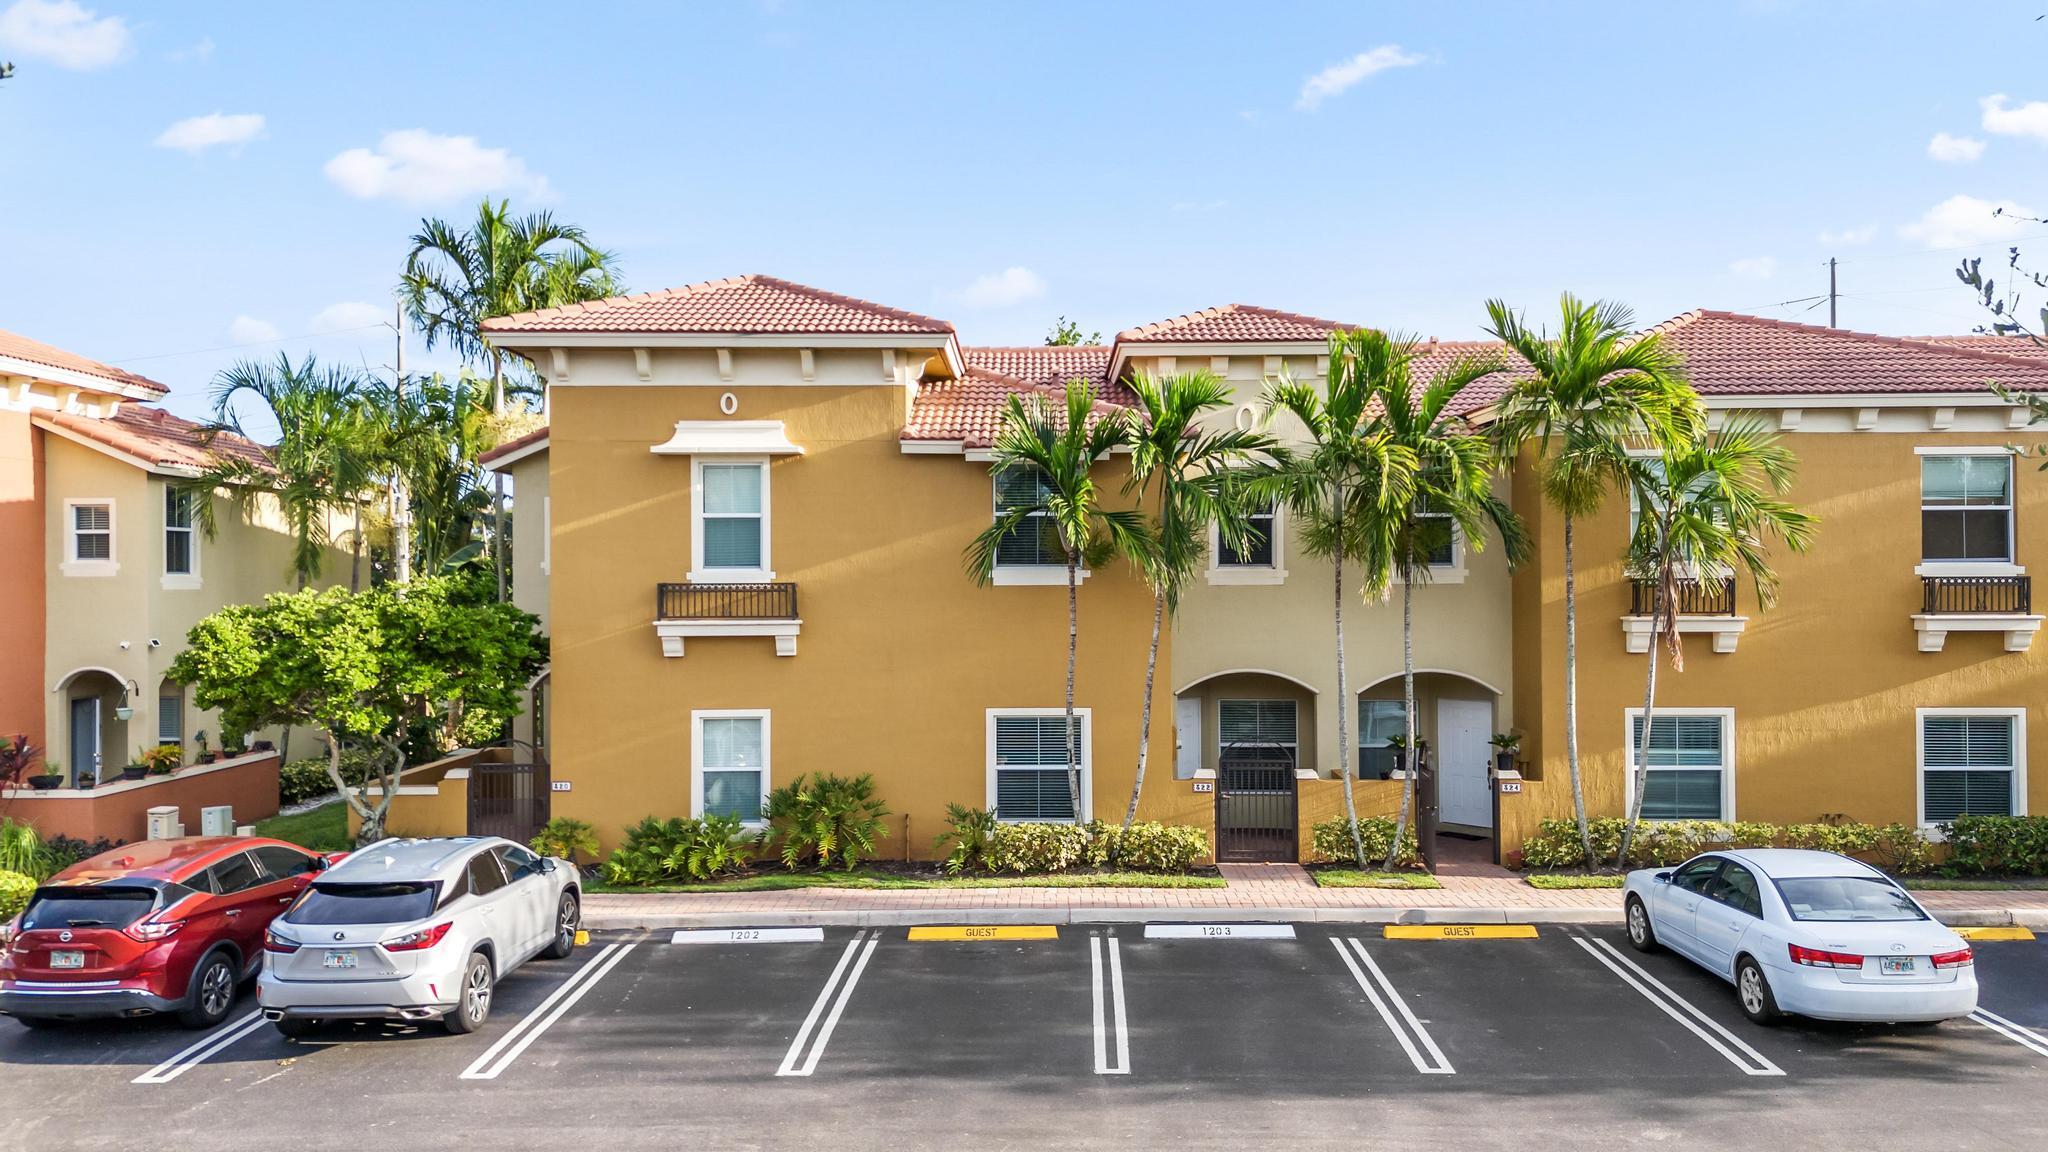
(999, 165)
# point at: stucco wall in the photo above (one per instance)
(21, 591)
(120, 811)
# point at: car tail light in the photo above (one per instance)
(415, 941)
(1960, 958)
(272, 942)
(153, 929)
(1819, 958)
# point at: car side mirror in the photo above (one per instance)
(547, 864)
(1663, 877)
(316, 864)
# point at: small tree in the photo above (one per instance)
(1067, 334)
(361, 667)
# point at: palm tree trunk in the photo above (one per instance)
(1145, 709)
(1407, 719)
(1344, 706)
(1073, 647)
(355, 552)
(1571, 696)
(1640, 772)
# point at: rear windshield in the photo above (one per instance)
(98, 907)
(1847, 898)
(363, 904)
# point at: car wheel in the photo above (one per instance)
(1641, 936)
(295, 1027)
(212, 992)
(1753, 992)
(475, 1005)
(567, 918)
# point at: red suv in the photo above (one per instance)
(170, 926)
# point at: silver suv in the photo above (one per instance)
(416, 930)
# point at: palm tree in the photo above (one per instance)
(1053, 451)
(1453, 485)
(1588, 395)
(1707, 506)
(324, 459)
(1196, 472)
(1348, 475)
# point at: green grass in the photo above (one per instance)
(1353, 878)
(322, 829)
(1566, 883)
(1942, 884)
(881, 881)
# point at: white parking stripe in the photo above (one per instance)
(2019, 1034)
(198, 1051)
(845, 991)
(747, 936)
(500, 1055)
(1751, 1061)
(1435, 1065)
(1219, 931)
(1115, 996)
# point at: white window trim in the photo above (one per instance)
(547, 533)
(1249, 574)
(699, 574)
(181, 581)
(72, 565)
(2019, 756)
(1452, 573)
(1026, 575)
(2010, 565)
(1628, 743)
(697, 718)
(1087, 719)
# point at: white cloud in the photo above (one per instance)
(2029, 119)
(1954, 149)
(1755, 267)
(1848, 236)
(249, 330)
(418, 166)
(1002, 289)
(196, 53)
(1963, 221)
(346, 316)
(199, 133)
(64, 33)
(1338, 78)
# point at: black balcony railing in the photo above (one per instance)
(1695, 597)
(725, 602)
(1942, 595)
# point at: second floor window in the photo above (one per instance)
(1035, 542)
(733, 517)
(178, 543)
(92, 532)
(1258, 549)
(1966, 508)
(1437, 535)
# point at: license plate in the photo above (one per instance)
(1895, 965)
(67, 959)
(340, 960)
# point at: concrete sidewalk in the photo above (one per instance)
(1283, 897)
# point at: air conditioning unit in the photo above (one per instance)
(217, 820)
(163, 822)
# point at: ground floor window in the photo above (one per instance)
(1256, 729)
(1970, 763)
(730, 763)
(1379, 721)
(170, 713)
(1690, 759)
(1027, 770)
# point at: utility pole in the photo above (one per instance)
(1831, 292)
(401, 502)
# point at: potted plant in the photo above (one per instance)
(264, 746)
(1504, 746)
(52, 776)
(233, 746)
(87, 780)
(206, 755)
(161, 760)
(17, 756)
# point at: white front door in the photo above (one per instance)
(1463, 757)
(1187, 736)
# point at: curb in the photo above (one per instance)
(603, 921)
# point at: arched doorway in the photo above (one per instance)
(1456, 718)
(95, 739)
(1251, 731)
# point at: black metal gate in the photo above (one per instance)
(1255, 804)
(509, 800)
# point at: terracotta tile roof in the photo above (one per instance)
(1232, 324)
(1729, 354)
(970, 409)
(741, 305)
(1054, 365)
(2019, 346)
(510, 446)
(156, 436)
(17, 347)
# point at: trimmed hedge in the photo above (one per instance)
(1997, 845)
(15, 889)
(1330, 842)
(1659, 844)
(981, 843)
(303, 780)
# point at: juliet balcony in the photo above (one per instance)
(1702, 606)
(702, 611)
(2002, 604)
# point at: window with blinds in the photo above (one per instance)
(170, 713)
(1966, 508)
(1256, 722)
(177, 532)
(92, 532)
(732, 516)
(1688, 763)
(1966, 766)
(735, 768)
(1031, 767)
(1035, 541)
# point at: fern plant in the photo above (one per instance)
(680, 849)
(827, 821)
(566, 838)
(972, 832)
(22, 850)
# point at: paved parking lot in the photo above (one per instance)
(1107, 1036)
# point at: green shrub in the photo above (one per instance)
(658, 851)
(22, 850)
(971, 832)
(566, 838)
(64, 851)
(15, 889)
(1664, 843)
(1997, 845)
(1037, 847)
(1330, 842)
(1148, 846)
(1848, 839)
(303, 780)
(827, 821)
(1901, 850)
